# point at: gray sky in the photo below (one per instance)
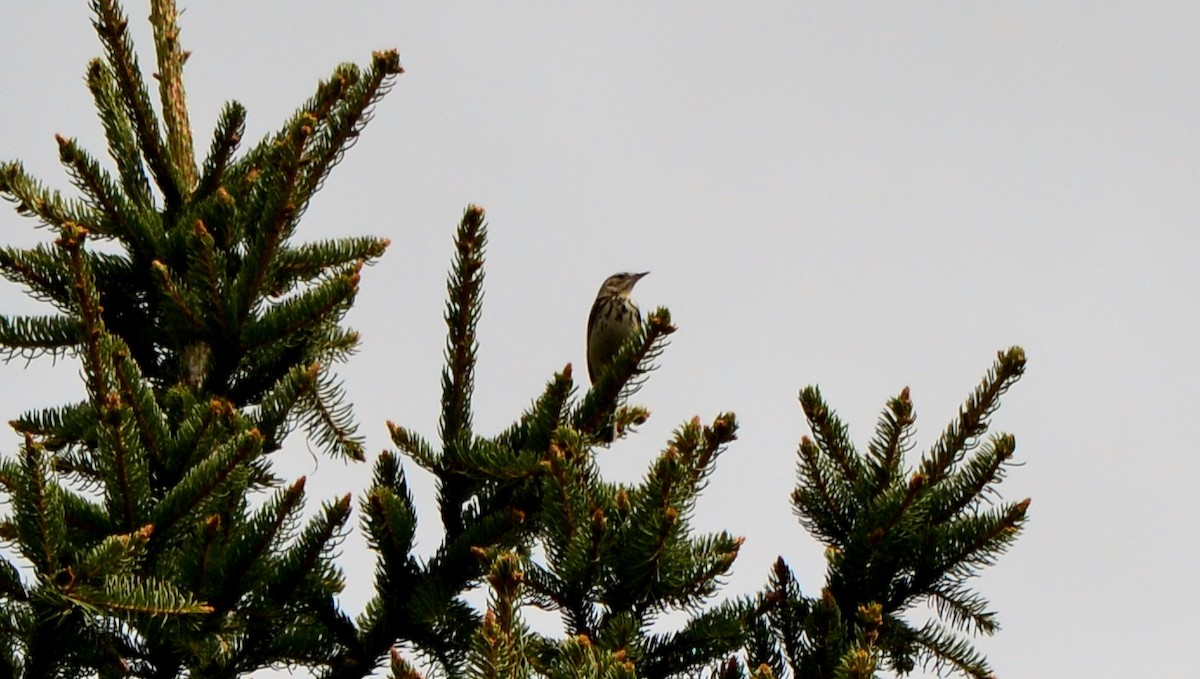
(863, 197)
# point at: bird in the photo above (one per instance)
(613, 320)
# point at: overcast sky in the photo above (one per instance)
(863, 197)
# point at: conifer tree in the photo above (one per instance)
(159, 542)
(528, 512)
(205, 335)
(894, 539)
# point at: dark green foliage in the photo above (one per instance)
(204, 334)
(619, 556)
(895, 539)
(208, 287)
(147, 535)
(613, 557)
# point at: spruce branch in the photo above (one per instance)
(418, 604)
(714, 440)
(58, 428)
(617, 557)
(628, 371)
(127, 596)
(102, 193)
(976, 478)
(181, 303)
(87, 305)
(320, 306)
(301, 585)
(962, 435)
(122, 465)
(576, 536)
(203, 479)
(947, 650)
(716, 632)
(415, 447)
(42, 270)
(329, 420)
(487, 461)
(272, 212)
(494, 653)
(538, 424)
(499, 648)
(892, 441)
(38, 511)
(33, 199)
(115, 555)
(250, 547)
(208, 278)
(579, 656)
(708, 559)
(87, 521)
(231, 125)
(309, 557)
(113, 29)
(118, 131)
(832, 437)
(149, 421)
(893, 506)
(963, 609)
(388, 515)
(821, 501)
(895, 538)
(974, 541)
(339, 130)
(11, 586)
(299, 264)
(277, 408)
(463, 306)
(761, 647)
(788, 613)
(171, 57)
(32, 336)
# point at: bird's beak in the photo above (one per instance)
(640, 276)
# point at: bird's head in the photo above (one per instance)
(621, 284)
